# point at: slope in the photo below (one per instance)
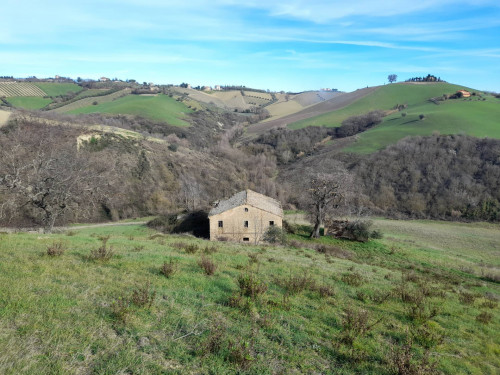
(384, 98)
(159, 108)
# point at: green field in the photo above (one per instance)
(29, 102)
(160, 108)
(56, 89)
(350, 311)
(477, 118)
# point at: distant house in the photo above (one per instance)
(206, 88)
(104, 79)
(463, 93)
(217, 88)
(244, 217)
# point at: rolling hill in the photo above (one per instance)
(477, 116)
(160, 108)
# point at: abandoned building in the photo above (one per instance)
(244, 217)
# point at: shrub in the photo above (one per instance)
(253, 258)
(297, 284)
(103, 252)
(355, 324)
(325, 291)
(164, 223)
(240, 353)
(275, 234)
(353, 279)
(120, 309)
(467, 298)
(250, 286)
(334, 251)
(56, 249)
(421, 116)
(212, 249)
(191, 248)
(289, 227)
(484, 317)
(143, 297)
(402, 361)
(173, 147)
(208, 266)
(357, 230)
(168, 269)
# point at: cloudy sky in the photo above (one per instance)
(279, 45)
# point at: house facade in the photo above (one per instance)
(244, 217)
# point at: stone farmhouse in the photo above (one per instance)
(244, 217)
(464, 93)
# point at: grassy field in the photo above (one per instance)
(473, 117)
(343, 308)
(56, 89)
(29, 102)
(87, 100)
(160, 108)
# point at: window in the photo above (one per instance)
(246, 209)
(220, 224)
(246, 239)
(245, 224)
(271, 223)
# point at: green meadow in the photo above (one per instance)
(29, 102)
(473, 117)
(159, 108)
(425, 296)
(56, 89)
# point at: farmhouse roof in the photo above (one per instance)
(250, 198)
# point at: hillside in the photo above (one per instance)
(345, 308)
(160, 108)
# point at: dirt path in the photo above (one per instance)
(333, 104)
(4, 117)
(75, 227)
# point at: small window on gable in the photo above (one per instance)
(246, 209)
(246, 239)
(221, 224)
(271, 223)
(245, 224)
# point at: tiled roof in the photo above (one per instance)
(251, 198)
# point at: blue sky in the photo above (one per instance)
(290, 45)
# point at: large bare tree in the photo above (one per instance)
(40, 167)
(326, 192)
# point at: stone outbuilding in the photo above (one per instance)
(244, 217)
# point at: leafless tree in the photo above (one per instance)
(42, 169)
(326, 192)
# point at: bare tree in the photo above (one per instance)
(42, 169)
(326, 192)
(392, 78)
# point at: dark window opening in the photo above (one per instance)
(220, 224)
(245, 224)
(271, 223)
(246, 209)
(246, 239)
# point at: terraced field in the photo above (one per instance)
(87, 101)
(10, 89)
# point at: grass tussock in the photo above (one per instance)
(207, 265)
(103, 252)
(56, 249)
(168, 269)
